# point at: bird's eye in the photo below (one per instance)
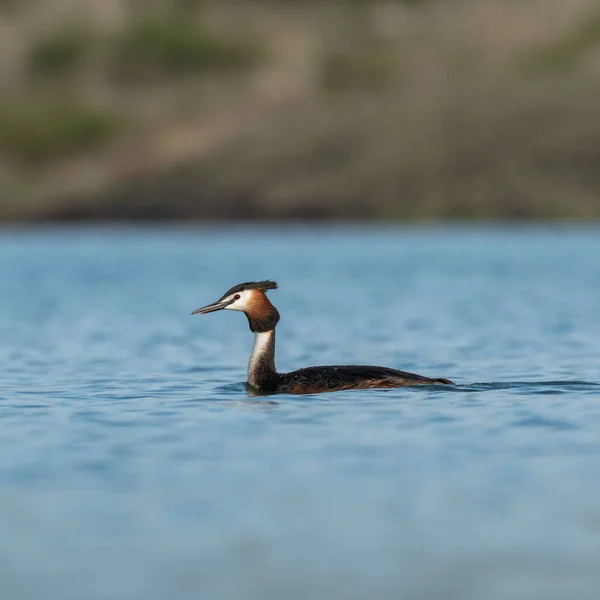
(237, 297)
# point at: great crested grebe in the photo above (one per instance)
(251, 299)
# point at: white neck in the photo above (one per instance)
(262, 359)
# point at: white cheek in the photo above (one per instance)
(233, 306)
(241, 303)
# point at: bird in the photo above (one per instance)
(264, 379)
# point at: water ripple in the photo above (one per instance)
(134, 463)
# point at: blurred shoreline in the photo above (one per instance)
(205, 111)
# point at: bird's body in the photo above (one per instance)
(311, 380)
(263, 377)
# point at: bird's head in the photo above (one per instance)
(251, 299)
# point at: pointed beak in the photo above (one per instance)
(211, 308)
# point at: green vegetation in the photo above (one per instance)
(568, 51)
(170, 46)
(343, 71)
(357, 2)
(33, 135)
(9, 7)
(349, 109)
(59, 53)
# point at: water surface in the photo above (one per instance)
(134, 465)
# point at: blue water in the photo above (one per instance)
(133, 464)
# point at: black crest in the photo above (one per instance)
(251, 285)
